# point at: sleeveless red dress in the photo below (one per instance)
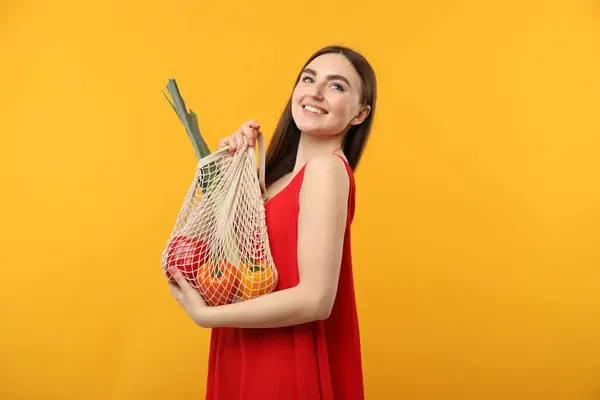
(320, 360)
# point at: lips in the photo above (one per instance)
(314, 109)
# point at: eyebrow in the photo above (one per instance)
(329, 77)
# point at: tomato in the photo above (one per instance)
(185, 254)
(256, 279)
(218, 282)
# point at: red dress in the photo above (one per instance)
(320, 360)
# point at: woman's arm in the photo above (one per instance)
(321, 228)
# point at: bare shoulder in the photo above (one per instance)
(325, 179)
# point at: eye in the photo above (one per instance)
(307, 79)
(337, 87)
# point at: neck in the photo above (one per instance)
(311, 146)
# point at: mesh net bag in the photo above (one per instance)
(219, 241)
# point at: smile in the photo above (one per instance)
(314, 110)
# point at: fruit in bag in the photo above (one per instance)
(185, 254)
(256, 279)
(217, 282)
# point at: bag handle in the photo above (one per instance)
(261, 164)
(261, 160)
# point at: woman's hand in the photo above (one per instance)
(190, 300)
(249, 129)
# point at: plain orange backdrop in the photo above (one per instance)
(476, 239)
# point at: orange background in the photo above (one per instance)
(476, 241)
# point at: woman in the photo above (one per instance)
(301, 341)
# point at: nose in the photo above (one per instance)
(316, 91)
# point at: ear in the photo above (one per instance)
(362, 115)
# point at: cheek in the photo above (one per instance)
(296, 98)
(297, 94)
(340, 108)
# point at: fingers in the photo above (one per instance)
(232, 143)
(239, 138)
(182, 289)
(175, 291)
(223, 142)
(178, 277)
(249, 129)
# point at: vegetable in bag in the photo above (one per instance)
(219, 240)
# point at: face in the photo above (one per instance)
(327, 98)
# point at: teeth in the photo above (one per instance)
(313, 110)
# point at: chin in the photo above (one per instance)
(317, 130)
(312, 126)
(312, 129)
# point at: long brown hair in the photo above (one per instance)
(281, 154)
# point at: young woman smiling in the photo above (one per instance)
(302, 341)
